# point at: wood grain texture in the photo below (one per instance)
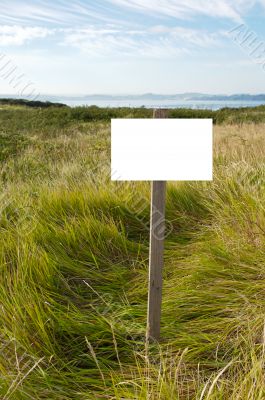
(156, 253)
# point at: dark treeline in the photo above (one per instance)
(30, 103)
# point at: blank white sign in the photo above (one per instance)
(161, 149)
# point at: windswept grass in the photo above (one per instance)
(74, 258)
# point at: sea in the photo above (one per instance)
(194, 104)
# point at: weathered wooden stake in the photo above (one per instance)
(156, 253)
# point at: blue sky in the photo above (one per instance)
(130, 46)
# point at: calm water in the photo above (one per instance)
(211, 105)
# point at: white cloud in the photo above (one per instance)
(57, 13)
(81, 12)
(189, 36)
(159, 41)
(106, 43)
(231, 9)
(17, 35)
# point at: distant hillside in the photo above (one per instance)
(178, 97)
(56, 101)
(234, 97)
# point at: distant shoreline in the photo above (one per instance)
(197, 104)
(190, 104)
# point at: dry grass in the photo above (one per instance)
(74, 255)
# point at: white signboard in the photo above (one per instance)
(161, 149)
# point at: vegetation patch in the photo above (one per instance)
(74, 265)
(11, 145)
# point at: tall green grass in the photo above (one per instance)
(74, 261)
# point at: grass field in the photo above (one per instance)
(74, 260)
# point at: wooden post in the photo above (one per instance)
(156, 253)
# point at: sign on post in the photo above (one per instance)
(160, 150)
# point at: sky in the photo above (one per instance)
(132, 46)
